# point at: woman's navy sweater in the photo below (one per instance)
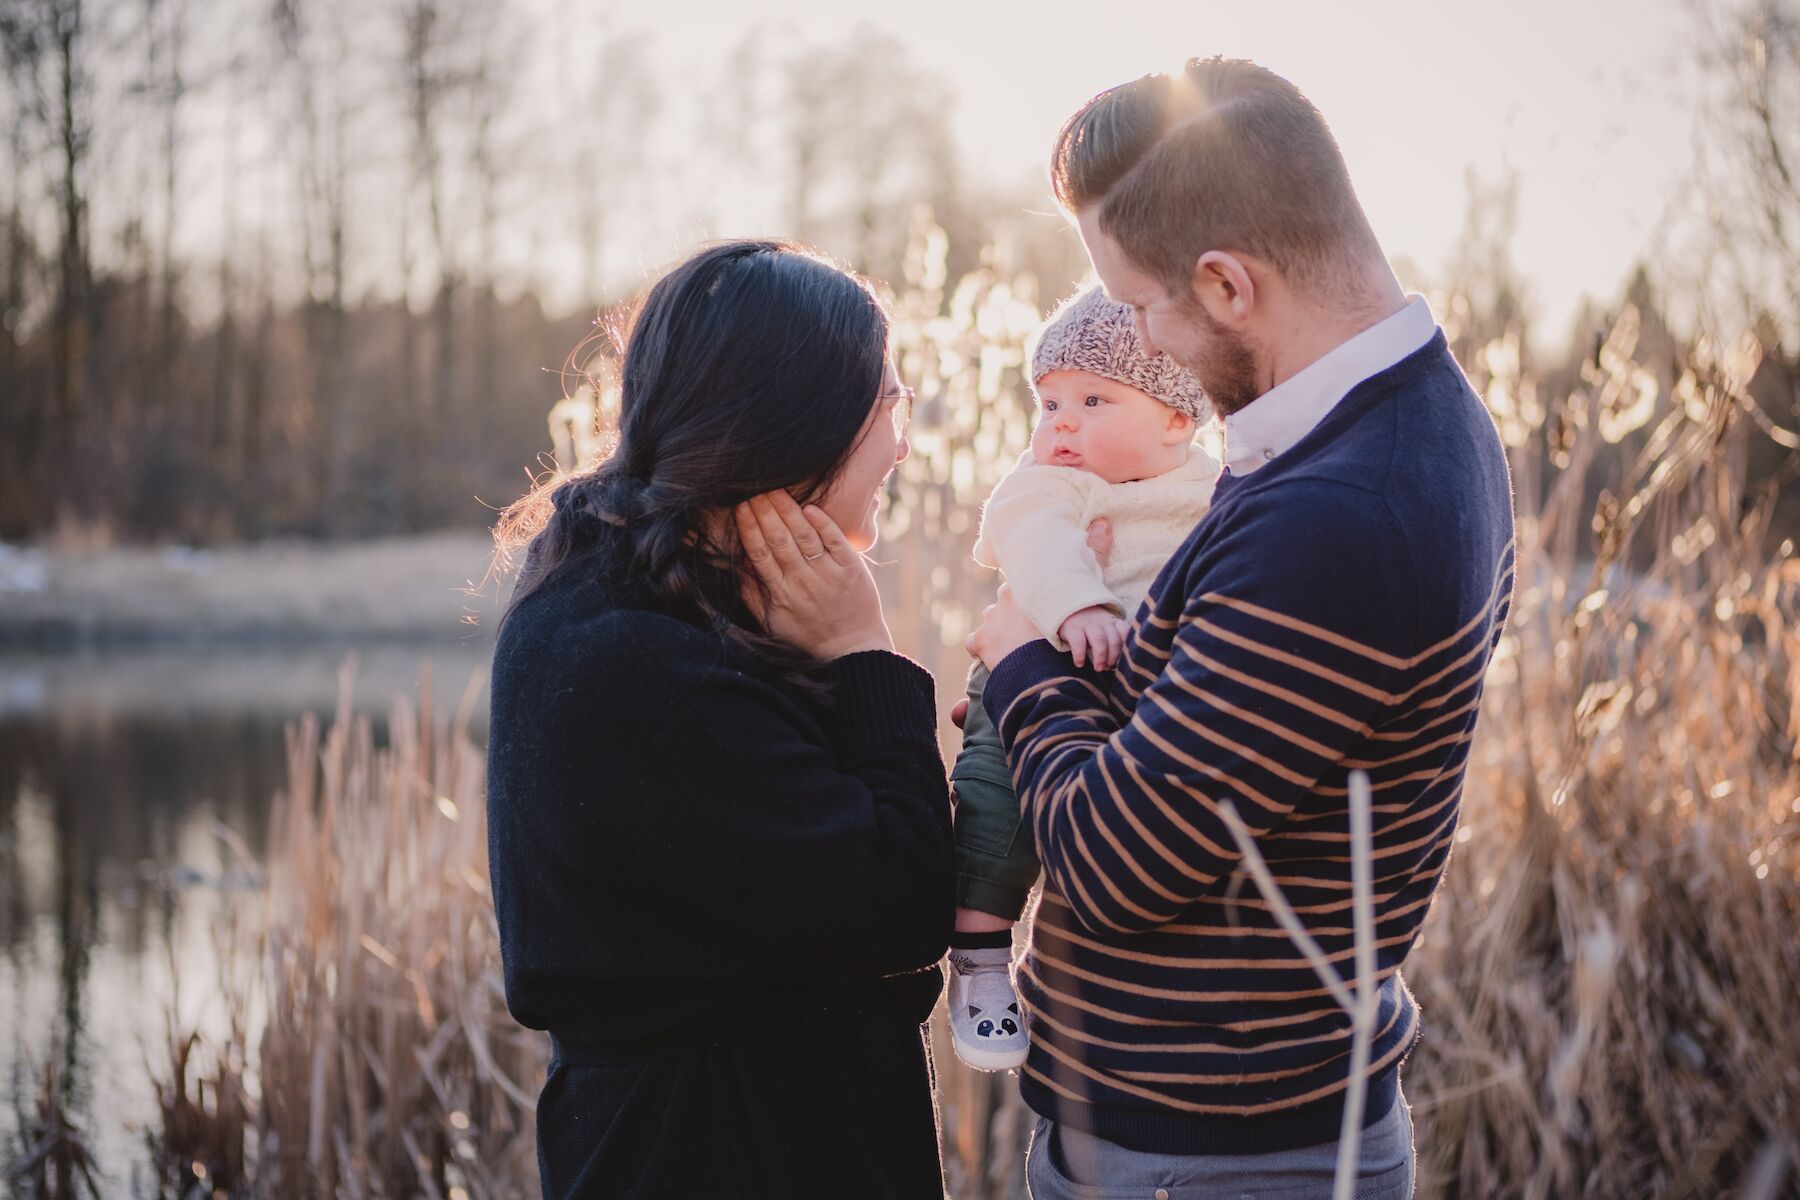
(723, 896)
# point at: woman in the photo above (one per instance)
(719, 826)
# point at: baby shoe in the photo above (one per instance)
(986, 1026)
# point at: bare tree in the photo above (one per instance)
(229, 439)
(73, 129)
(734, 115)
(19, 53)
(1481, 271)
(498, 45)
(1750, 50)
(166, 27)
(892, 119)
(147, 113)
(314, 47)
(867, 136)
(22, 416)
(455, 72)
(813, 83)
(46, 54)
(432, 75)
(620, 104)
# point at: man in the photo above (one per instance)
(1333, 611)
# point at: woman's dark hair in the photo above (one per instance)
(751, 366)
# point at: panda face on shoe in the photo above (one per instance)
(986, 1027)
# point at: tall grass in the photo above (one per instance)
(51, 1160)
(380, 1059)
(1610, 979)
(388, 1061)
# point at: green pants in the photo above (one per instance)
(996, 861)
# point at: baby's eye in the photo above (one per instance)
(1095, 401)
(1049, 406)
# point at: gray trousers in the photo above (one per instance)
(1066, 1164)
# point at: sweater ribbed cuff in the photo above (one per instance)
(879, 696)
(1024, 668)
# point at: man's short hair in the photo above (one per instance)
(1224, 155)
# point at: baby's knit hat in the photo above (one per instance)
(1088, 332)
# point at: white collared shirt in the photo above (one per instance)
(1270, 425)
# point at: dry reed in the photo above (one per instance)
(53, 1161)
(382, 1061)
(388, 1064)
(198, 1140)
(1611, 976)
(198, 1143)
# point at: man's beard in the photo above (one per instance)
(1226, 366)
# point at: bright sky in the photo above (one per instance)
(1590, 101)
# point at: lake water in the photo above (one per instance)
(134, 794)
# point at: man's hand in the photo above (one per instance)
(1100, 540)
(1004, 628)
(1096, 637)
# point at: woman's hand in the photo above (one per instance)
(1004, 628)
(821, 597)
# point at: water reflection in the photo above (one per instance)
(131, 790)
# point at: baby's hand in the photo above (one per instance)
(1094, 634)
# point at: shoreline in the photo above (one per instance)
(418, 590)
(179, 683)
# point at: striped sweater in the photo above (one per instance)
(1334, 610)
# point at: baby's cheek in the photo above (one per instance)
(1115, 447)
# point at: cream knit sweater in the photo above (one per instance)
(1034, 528)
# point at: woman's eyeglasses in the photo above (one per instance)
(902, 408)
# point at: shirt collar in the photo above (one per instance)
(1270, 425)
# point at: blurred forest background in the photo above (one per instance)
(351, 336)
(361, 347)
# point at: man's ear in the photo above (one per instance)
(1180, 429)
(1223, 286)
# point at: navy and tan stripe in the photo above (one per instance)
(1399, 1047)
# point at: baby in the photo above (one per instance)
(1114, 440)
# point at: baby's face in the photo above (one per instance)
(1109, 428)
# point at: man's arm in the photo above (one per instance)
(1289, 642)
